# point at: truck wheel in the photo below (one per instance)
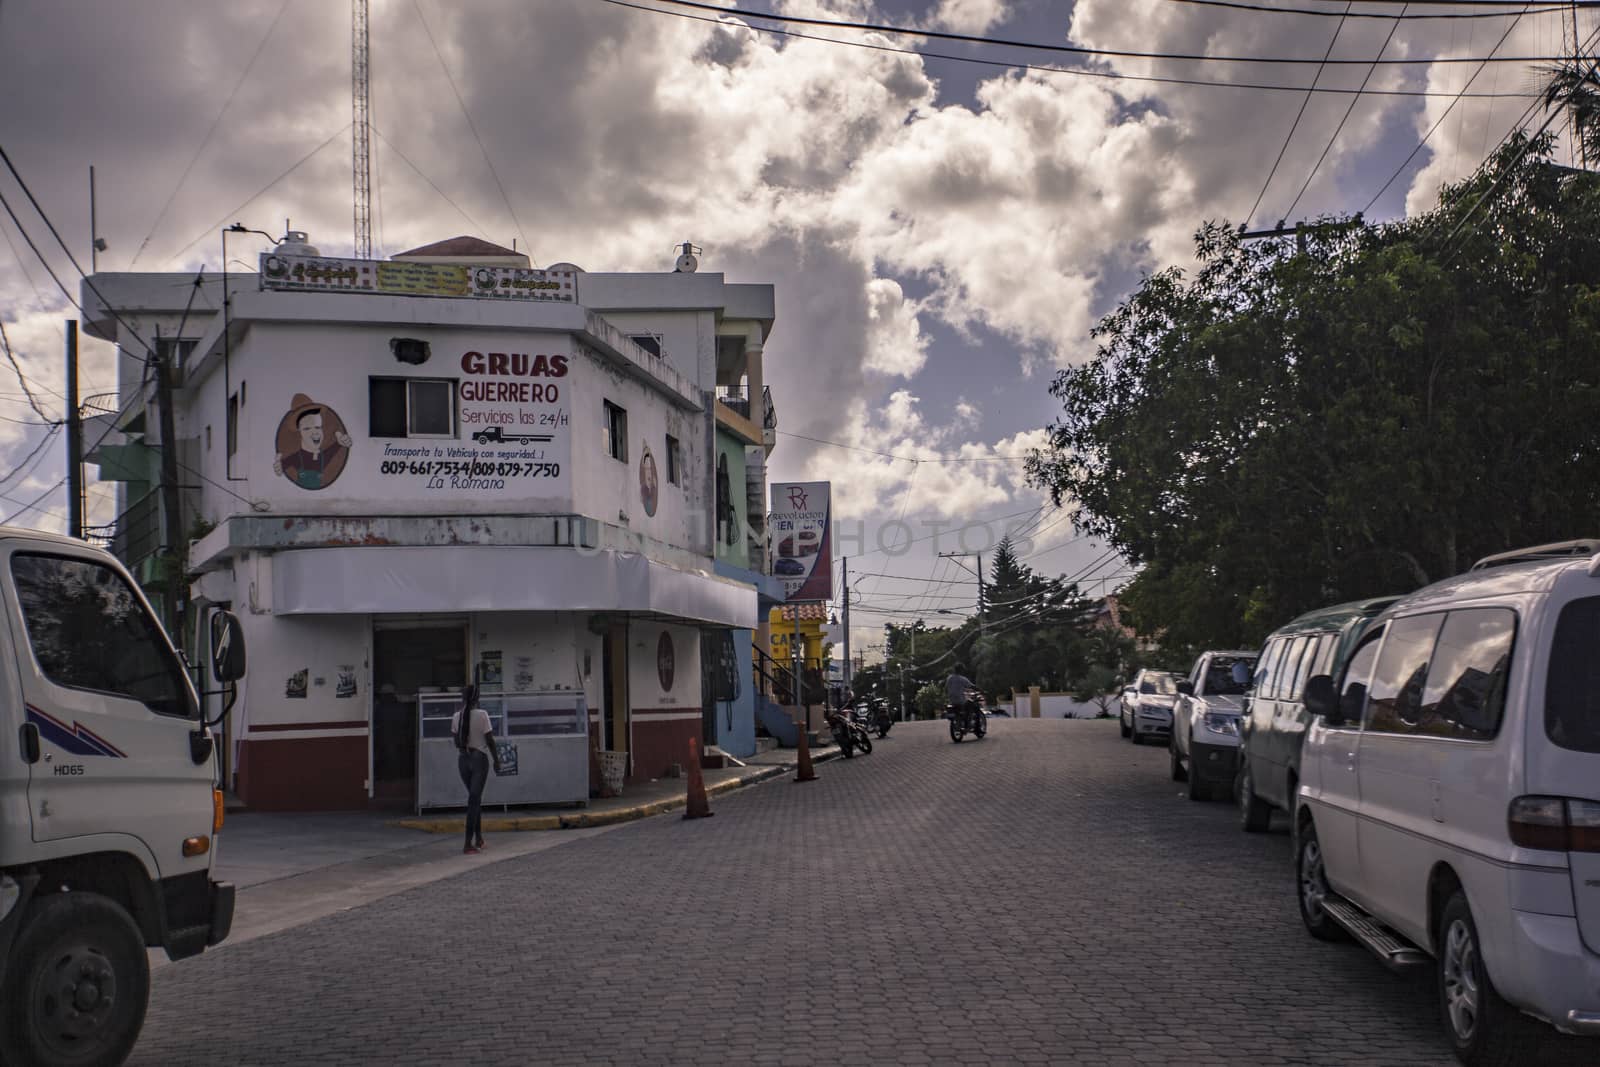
(1198, 788)
(1178, 773)
(76, 985)
(1483, 1029)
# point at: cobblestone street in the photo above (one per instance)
(1044, 895)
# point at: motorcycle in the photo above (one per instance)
(849, 735)
(967, 718)
(881, 720)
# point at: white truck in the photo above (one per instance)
(108, 801)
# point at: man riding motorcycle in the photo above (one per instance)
(961, 690)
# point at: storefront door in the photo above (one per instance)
(614, 716)
(408, 658)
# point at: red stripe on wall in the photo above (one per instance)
(269, 727)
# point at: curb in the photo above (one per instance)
(579, 820)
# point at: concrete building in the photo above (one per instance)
(448, 468)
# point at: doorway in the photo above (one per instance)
(614, 689)
(408, 658)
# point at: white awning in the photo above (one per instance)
(379, 580)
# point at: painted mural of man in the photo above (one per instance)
(317, 461)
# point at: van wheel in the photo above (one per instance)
(1311, 883)
(1255, 814)
(77, 984)
(1484, 1030)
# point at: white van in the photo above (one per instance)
(1449, 809)
(108, 801)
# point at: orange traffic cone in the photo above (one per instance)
(699, 806)
(805, 773)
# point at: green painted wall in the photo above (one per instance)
(730, 449)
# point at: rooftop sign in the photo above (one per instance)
(320, 274)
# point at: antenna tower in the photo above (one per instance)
(360, 106)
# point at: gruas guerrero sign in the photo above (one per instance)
(802, 539)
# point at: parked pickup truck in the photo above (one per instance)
(109, 804)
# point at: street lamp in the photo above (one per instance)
(227, 372)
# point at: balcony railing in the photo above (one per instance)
(735, 398)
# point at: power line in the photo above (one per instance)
(15, 515)
(1298, 115)
(22, 379)
(1084, 50)
(1343, 118)
(471, 125)
(1444, 115)
(214, 227)
(1402, 16)
(404, 159)
(210, 131)
(1040, 68)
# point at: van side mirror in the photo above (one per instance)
(1186, 688)
(227, 647)
(1321, 700)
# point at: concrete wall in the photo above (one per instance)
(664, 717)
(733, 450)
(736, 720)
(1054, 706)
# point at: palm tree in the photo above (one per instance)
(1574, 84)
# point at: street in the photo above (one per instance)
(1044, 895)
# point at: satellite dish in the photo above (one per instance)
(687, 264)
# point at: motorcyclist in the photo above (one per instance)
(959, 689)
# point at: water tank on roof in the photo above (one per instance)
(573, 267)
(296, 243)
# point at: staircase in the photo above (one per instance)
(774, 686)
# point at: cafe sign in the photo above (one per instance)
(321, 274)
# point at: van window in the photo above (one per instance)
(1466, 691)
(1267, 682)
(88, 630)
(1357, 675)
(1572, 690)
(1309, 655)
(1395, 699)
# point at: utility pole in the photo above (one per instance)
(74, 437)
(171, 505)
(794, 666)
(845, 563)
(979, 573)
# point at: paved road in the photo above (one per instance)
(1042, 896)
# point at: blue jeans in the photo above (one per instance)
(474, 768)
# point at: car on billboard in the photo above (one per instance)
(789, 567)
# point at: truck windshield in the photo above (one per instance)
(1572, 690)
(1161, 684)
(1219, 678)
(89, 630)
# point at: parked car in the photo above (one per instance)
(1449, 812)
(1273, 719)
(1204, 743)
(1147, 705)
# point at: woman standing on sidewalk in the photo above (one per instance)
(474, 735)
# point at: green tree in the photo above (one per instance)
(1097, 686)
(1296, 426)
(930, 700)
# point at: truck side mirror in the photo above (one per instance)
(1186, 688)
(1320, 699)
(227, 647)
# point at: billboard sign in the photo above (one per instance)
(323, 274)
(802, 539)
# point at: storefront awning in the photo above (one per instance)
(379, 580)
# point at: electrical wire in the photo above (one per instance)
(1402, 16)
(406, 160)
(471, 125)
(210, 132)
(1343, 118)
(15, 515)
(302, 161)
(1040, 68)
(1298, 115)
(22, 379)
(1443, 115)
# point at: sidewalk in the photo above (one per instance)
(637, 802)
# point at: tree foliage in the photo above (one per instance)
(1299, 425)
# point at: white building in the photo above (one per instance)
(409, 475)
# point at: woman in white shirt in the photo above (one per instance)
(475, 745)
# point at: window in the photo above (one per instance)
(1395, 700)
(1309, 658)
(616, 430)
(411, 407)
(650, 342)
(1290, 673)
(674, 461)
(1267, 676)
(88, 630)
(1357, 674)
(1572, 690)
(1466, 689)
(233, 425)
(175, 351)
(1161, 684)
(1219, 676)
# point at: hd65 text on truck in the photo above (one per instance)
(109, 804)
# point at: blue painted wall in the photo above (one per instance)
(736, 721)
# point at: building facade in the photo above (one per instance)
(446, 469)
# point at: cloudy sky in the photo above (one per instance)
(942, 233)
